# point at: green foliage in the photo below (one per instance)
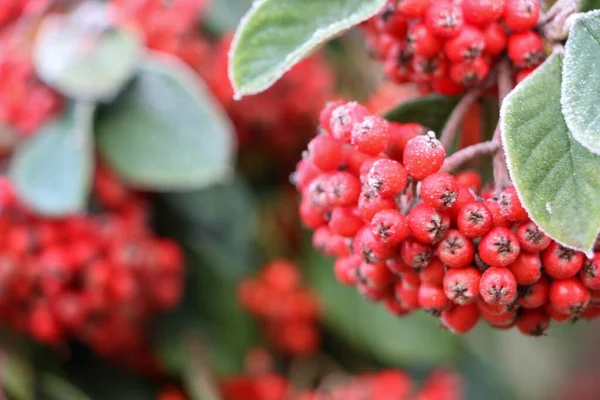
(166, 132)
(52, 171)
(54, 387)
(276, 34)
(580, 94)
(83, 56)
(430, 111)
(370, 328)
(223, 16)
(557, 179)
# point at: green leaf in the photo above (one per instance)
(589, 5)
(580, 93)
(52, 171)
(415, 339)
(17, 377)
(224, 15)
(53, 387)
(83, 56)
(557, 178)
(276, 34)
(430, 111)
(166, 131)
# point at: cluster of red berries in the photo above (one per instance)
(289, 312)
(414, 237)
(447, 46)
(383, 385)
(95, 278)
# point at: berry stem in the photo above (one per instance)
(469, 153)
(555, 24)
(501, 176)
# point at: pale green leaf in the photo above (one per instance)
(276, 34)
(556, 178)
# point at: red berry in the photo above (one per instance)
(393, 306)
(498, 286)
(407, 296)
(521, 15)
(346, 269)
(426, 224)
(398, 266)
(495, 39)
(392, 23)
(325, 152)
(371, 135)
(569, 296)
(470, 73)
(470, 179)
(306, 171)
(421, 41)
(474, 220)
(325, 116)
(511, 206)
(533, 322)
(590, 273)
(439, 190)
(464, 197)
(390, 226)
(555, 315)
(341, 189)
(525, 49)
(423, 156)
(370, 203)
(467, 45)
(482, 12)
(503, 320)
(531, 238)
(535, 295)
(527, 268)
(413, 8)
(444, 18)
(496, 211)
(499, 247)
(414, 253)
(561, 262)
(400, 134)
(370, 248)
(343, 119)
(461, 285)
(387, 177)
(492, 308)
(375, 275)
(427, 68)
(460, 319)
(345, 221)
(432, 298)
(411, 278)
(456, 250)
(446, 86)
(433, 273)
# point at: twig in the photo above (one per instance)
(468, 153)
(555, 24)
(501, 176)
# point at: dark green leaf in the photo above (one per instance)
(276, 34)
(580, 93)
(17, 377)
(430, 111)
(52, 171)
(557, 178)
(166, 131)
(53, 387)
(83, 55)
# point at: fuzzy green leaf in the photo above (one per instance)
(557, 178)
(166, 131)
(430, 111)
(581, 81)
(52, 171)
(276, 34)
(224, 15)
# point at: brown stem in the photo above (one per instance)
(468, 153)
(554, 25)
(505, 85)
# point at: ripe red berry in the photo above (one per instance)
(531, 238)
(345, 221)
(535, 295)
(432, 298)
(433, 272)
(398, 266)
(341, 189)
(421, 41)
(590, 273)
(446, 86)
(555, 315)
(413, 8)
(311, 216)
(325, 152)
(346, 269)
(423, 156)
(569, 296)
(306, 171)
(387, 177)
(533, 322)
(370, 203)
(511, 206)
(400, 134)
(498, 286)
(456, 250)
(467, 45)
(461, 285)
(439, 190)
(561, 262)
(375, 275)
(390, 226)
(499, 247)
(325, 116)
(407, 296)
(460, 319)
(525, 49)
(343, 119)
(474, 220)
(494, 209)
(426, 224)
(527, 268)
(427, 68)
(444, 18)
(411, 278)
(370, 248)
(503, 320)
(495, 39)
(470, 73)
(371, 135)
(415, 253)
(392, 22)
(521, 15)
(482, 12)
(393, 306)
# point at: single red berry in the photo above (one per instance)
(511, 206)
(498, 286)
(456, 250)
(43, 325)
(391, 22)
(400, 134)
(415, 253)
(433, 272)
(426, 224)
(387, 177)
(464, 197)
(341, 189)
(421, 41)
(413, 8)
(495, 39)
(446, 86)
(325, 152)
(503, 320)
(461, 285)
(525, 49)
(316, 191)
(423, 156)
(521, 15)
(527, 268)
(375, 275)
(371, 135)
(590, 273)
(535, 295)
(425, 69)
(353, 160)
(373, 293)
(305, 172)
(346, 269)
(496, 211)
(394, 307)
(370, 248)
(467, 45)
(531, 238)
(390, 226)
(560, 262)
(345, 221)
(439, 190)
(533, 322)
(407, 296)
(470, 73)
(343, 119)
(325, 116)
(499, 247)
(398, 266)
(492, 308)
(482, 12)
(569, 296)
(555, 315)
(444, 18)
(470, 179)
(474, 220)
(370, 203)
(432, 298)
(460, 319)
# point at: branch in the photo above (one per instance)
(555, 24)
(505, 85)
(468, 153)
